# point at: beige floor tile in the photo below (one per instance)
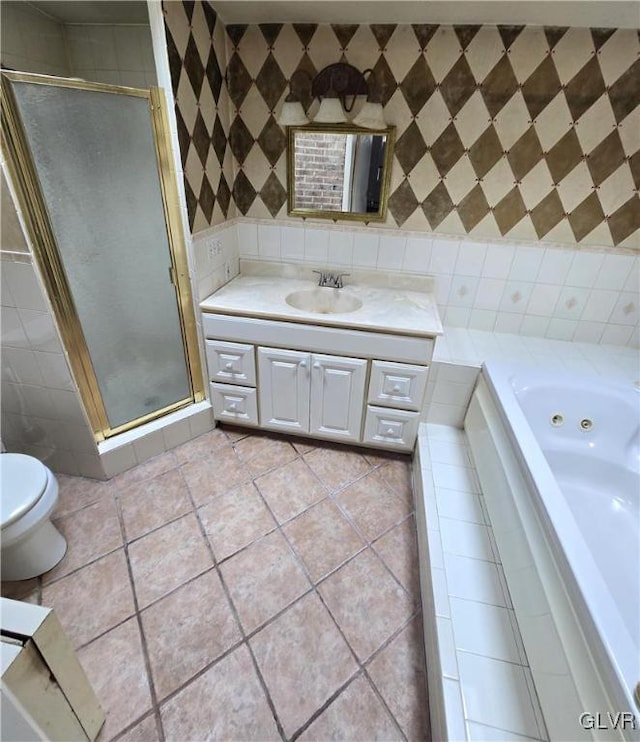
(78, 492)
(115, 668)
(91, 533)
(150, 504)
(235, 433)
(227, 702)
(372, 506)
(303, 659)
(149, 469)
(144, 731)
(356, 714)
(93, 599)
(302, 445)
(379, 458)
(367, 603)
(398, 549)
(336, 467)
(263, 579)
(201, 446)
(291, 489)
(399, 674)
(262, 454)
(214, 475)
(235, 519)
(166, 558)
(397, 474)
(188, 630)
(323, 538)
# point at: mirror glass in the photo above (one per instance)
(339, 172)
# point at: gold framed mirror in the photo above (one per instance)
(339, 171)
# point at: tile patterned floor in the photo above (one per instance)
(245, 587)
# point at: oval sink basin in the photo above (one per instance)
(322, 300)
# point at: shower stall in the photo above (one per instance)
(91, 166)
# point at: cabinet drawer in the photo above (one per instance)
(236, 404)
(391, 428)
(399, 385)
(232, 363)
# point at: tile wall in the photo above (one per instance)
(115, 54)
(196, 48)
(538, 290)
(527, 133)
(31, 41)
(42, 413)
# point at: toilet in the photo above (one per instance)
(30, 543)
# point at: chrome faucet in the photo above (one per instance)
(331, 280)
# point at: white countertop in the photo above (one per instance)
(398, 310)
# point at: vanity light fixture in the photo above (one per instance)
(336, 86)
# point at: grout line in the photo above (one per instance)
(246, 637)
(243, 634)
(143, 640)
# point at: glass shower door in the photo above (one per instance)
(96, 162)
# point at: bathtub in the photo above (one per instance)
(558, 458)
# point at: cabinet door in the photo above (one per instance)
(283, 389)
(337, 395)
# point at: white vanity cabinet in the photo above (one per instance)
(325, 382)
(311, 393)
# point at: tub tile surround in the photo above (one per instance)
(545, 290)
(269, 593)
(518, 131)
(479, 674)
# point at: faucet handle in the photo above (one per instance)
(338, 279)
(322, 280)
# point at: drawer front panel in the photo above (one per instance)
(398, 385)
(319, 339)
(234, 404)
(231, 363)
(391, 428)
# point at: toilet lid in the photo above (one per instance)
(23, 480)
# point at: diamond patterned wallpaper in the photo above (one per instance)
(523, 132)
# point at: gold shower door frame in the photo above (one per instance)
(23, 175)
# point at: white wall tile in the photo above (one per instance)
(571, 303)
(118, 459)
(447, 648)
(247, 239)
(417, 255)
(340, 248)
(20, 367)
(584, 269)
(292, 243)
(489, 293)
(316, 245)
(616, 334)
(482, 319)
(555, 266)
(509, 323)
(497, 262)
(463, 290)
(614, 272)
(561, 329)
(25, 287)
(495, 693)
(365, 249)
(515, 297)
(148, 446)
(456, 316)
(459, 506)
(544, 298)
(269, 242)
(474, 579)
(391, 252)
(466, 539)
(599, 305)
(13, 334)
(526, 263)
(444, 254)
(40, 331)
(483, 629)
(55, 372)
(470, 258)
